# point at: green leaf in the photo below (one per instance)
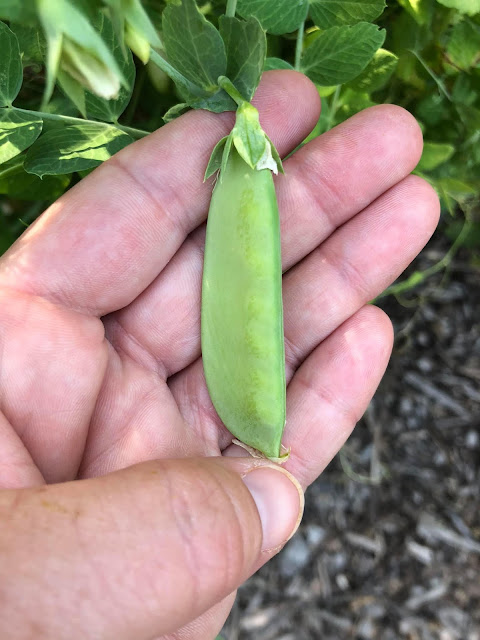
(277, 17)
(111, 110)
(17, 132)
(17, 10)
(17, 183)
(176, 111)
(470, 7)
(11, 72)
(434, 154)
(463, 49)
(31, 42)
(334, 13)
(377, 73)
(271, 64)
(351, 103)
(339, 54)
(193, 45)
(246, 47)
(74, 148)
(215, 161)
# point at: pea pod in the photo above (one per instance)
(242, 314)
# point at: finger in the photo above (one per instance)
(326, 184)
(17, 469)
(331, 391)
(139, 553)
(52, 366)
(208, 625)
(355, 265)
(105, 240)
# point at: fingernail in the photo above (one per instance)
(279, 500)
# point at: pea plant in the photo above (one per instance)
(72, 93)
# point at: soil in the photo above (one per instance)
(389, 547)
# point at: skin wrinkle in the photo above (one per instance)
(120, 338)
(177, 224)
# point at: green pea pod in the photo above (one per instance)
(242, 314)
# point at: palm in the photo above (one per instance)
(122, 253)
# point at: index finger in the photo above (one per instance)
(100, 245)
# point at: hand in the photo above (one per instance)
(120, 516)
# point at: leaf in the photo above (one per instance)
(31, 42)
(11, 72)
(74, 148)
(339, 54)
(333, 13)
(463, 49)
(193, 45)
(215, 161)
(111, 110)
(246, 47)
(470, 7)
(377, 73)
(17, 132)
(434, 154)
(17, 10)
(276, 17)
(176, 111)
(17, 183)
(271, 64)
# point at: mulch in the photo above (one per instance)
(390, 544)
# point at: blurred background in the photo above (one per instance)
(390, 544)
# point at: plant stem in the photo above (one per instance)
(229, 88)
(333, 108)
(299, 46)
(231, 8)
(135, 133)
(420, 276)
(433, 75)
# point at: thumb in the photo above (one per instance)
(140, 552)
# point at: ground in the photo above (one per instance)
(390, 544)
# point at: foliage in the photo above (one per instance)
(72, 93)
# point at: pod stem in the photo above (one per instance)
(228, 86)
(231, 8)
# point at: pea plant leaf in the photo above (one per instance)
(246, 47)
(279, 17)
(339, 54)
(23, 10)
(377, 73)
(17, 132)
(17, 183)
(276, 63)
(434, 154)
(74, 148)
(11, 72)
(463, 49)
(111, 110)
(31, 42)
(193, 45)
(470, 7)
(333, 13)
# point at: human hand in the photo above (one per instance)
(121, 517)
